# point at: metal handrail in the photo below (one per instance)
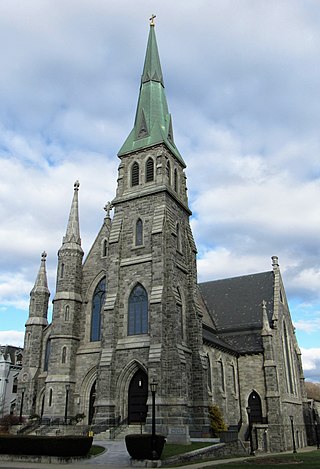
(114, 431)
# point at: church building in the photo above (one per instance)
(132, 312)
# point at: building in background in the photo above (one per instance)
(10, 367)
(132, 312)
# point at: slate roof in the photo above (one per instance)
(235, 305)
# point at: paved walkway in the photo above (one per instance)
(116, 457)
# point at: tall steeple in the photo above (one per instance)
(153, 123)
(73, 230)
(41, 283)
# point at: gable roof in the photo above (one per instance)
(235, 305)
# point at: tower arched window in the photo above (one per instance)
(97, 305)
(50, 397)
(64, 355)
(139, 232)
(168, 172)
(178, 233)
(149, 170)
(175, 180)
(47, 355)
(138, 311)
(135, 174)
(104, 248)
(62, 270)
(67, 313)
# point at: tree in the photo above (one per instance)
(216, 420)
(313, 390)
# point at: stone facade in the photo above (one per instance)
(132, 312)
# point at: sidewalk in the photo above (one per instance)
(116, 457)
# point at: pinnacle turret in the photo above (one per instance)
(41, 283)
(153, 124)
(73, 228)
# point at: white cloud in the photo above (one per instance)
(14, 338)
(311, 363)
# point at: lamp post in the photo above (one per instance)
(66, 406)
(153, 387)
(293, 437)
(317, 434)
(21, 404)
(252, 453)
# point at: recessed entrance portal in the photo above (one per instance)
(137, 398)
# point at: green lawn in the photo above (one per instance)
(95, 450)
(310, 460)
(172, 450)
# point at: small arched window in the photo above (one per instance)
(176, 180)
(138, 311)
(149, 170)
(135, 174)
(47, 355)
(67, 313)
(97, 305)
(104, 248)
(178, 233)
(64, 355)
(50, 398)
(168, 172)
(209, 373)
(139, 232)
(62, 270)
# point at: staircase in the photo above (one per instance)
(126, 430)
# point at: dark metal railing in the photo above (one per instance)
(114, 431)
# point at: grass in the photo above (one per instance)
(172, 450)
(95, 450)
(311, 460)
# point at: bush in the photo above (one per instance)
(217, 423)
(7, 421)
(140, 446)
(63, 446)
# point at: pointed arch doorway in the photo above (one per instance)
(254, 403)
(137, 397)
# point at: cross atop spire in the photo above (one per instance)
(152, 19)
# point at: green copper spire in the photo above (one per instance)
(153, 124)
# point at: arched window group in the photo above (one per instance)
(138, 311)
(97, 305)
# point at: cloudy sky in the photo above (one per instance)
(242, 81)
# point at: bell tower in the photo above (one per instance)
(152, 325)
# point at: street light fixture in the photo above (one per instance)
(252, 452)
(153, 387)
(293, 437)
(66, 406)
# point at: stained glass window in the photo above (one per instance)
(138, 311)
(97, 305)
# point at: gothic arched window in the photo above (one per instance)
(221, 372)
(139, 232)
(97, 305)
(288, 361)
(64, 355)
(138, 311)
(135, 174)
(104, 248)
(149, 170)
(50, 397)
(178, 233)
(168, 172)
(47, 355)
(67, 313)
(175, 180)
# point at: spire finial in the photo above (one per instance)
(152, 19)
(76, 185)
(43, 256)
(108, 207)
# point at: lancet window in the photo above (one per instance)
(138, 311)
(96, 311)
